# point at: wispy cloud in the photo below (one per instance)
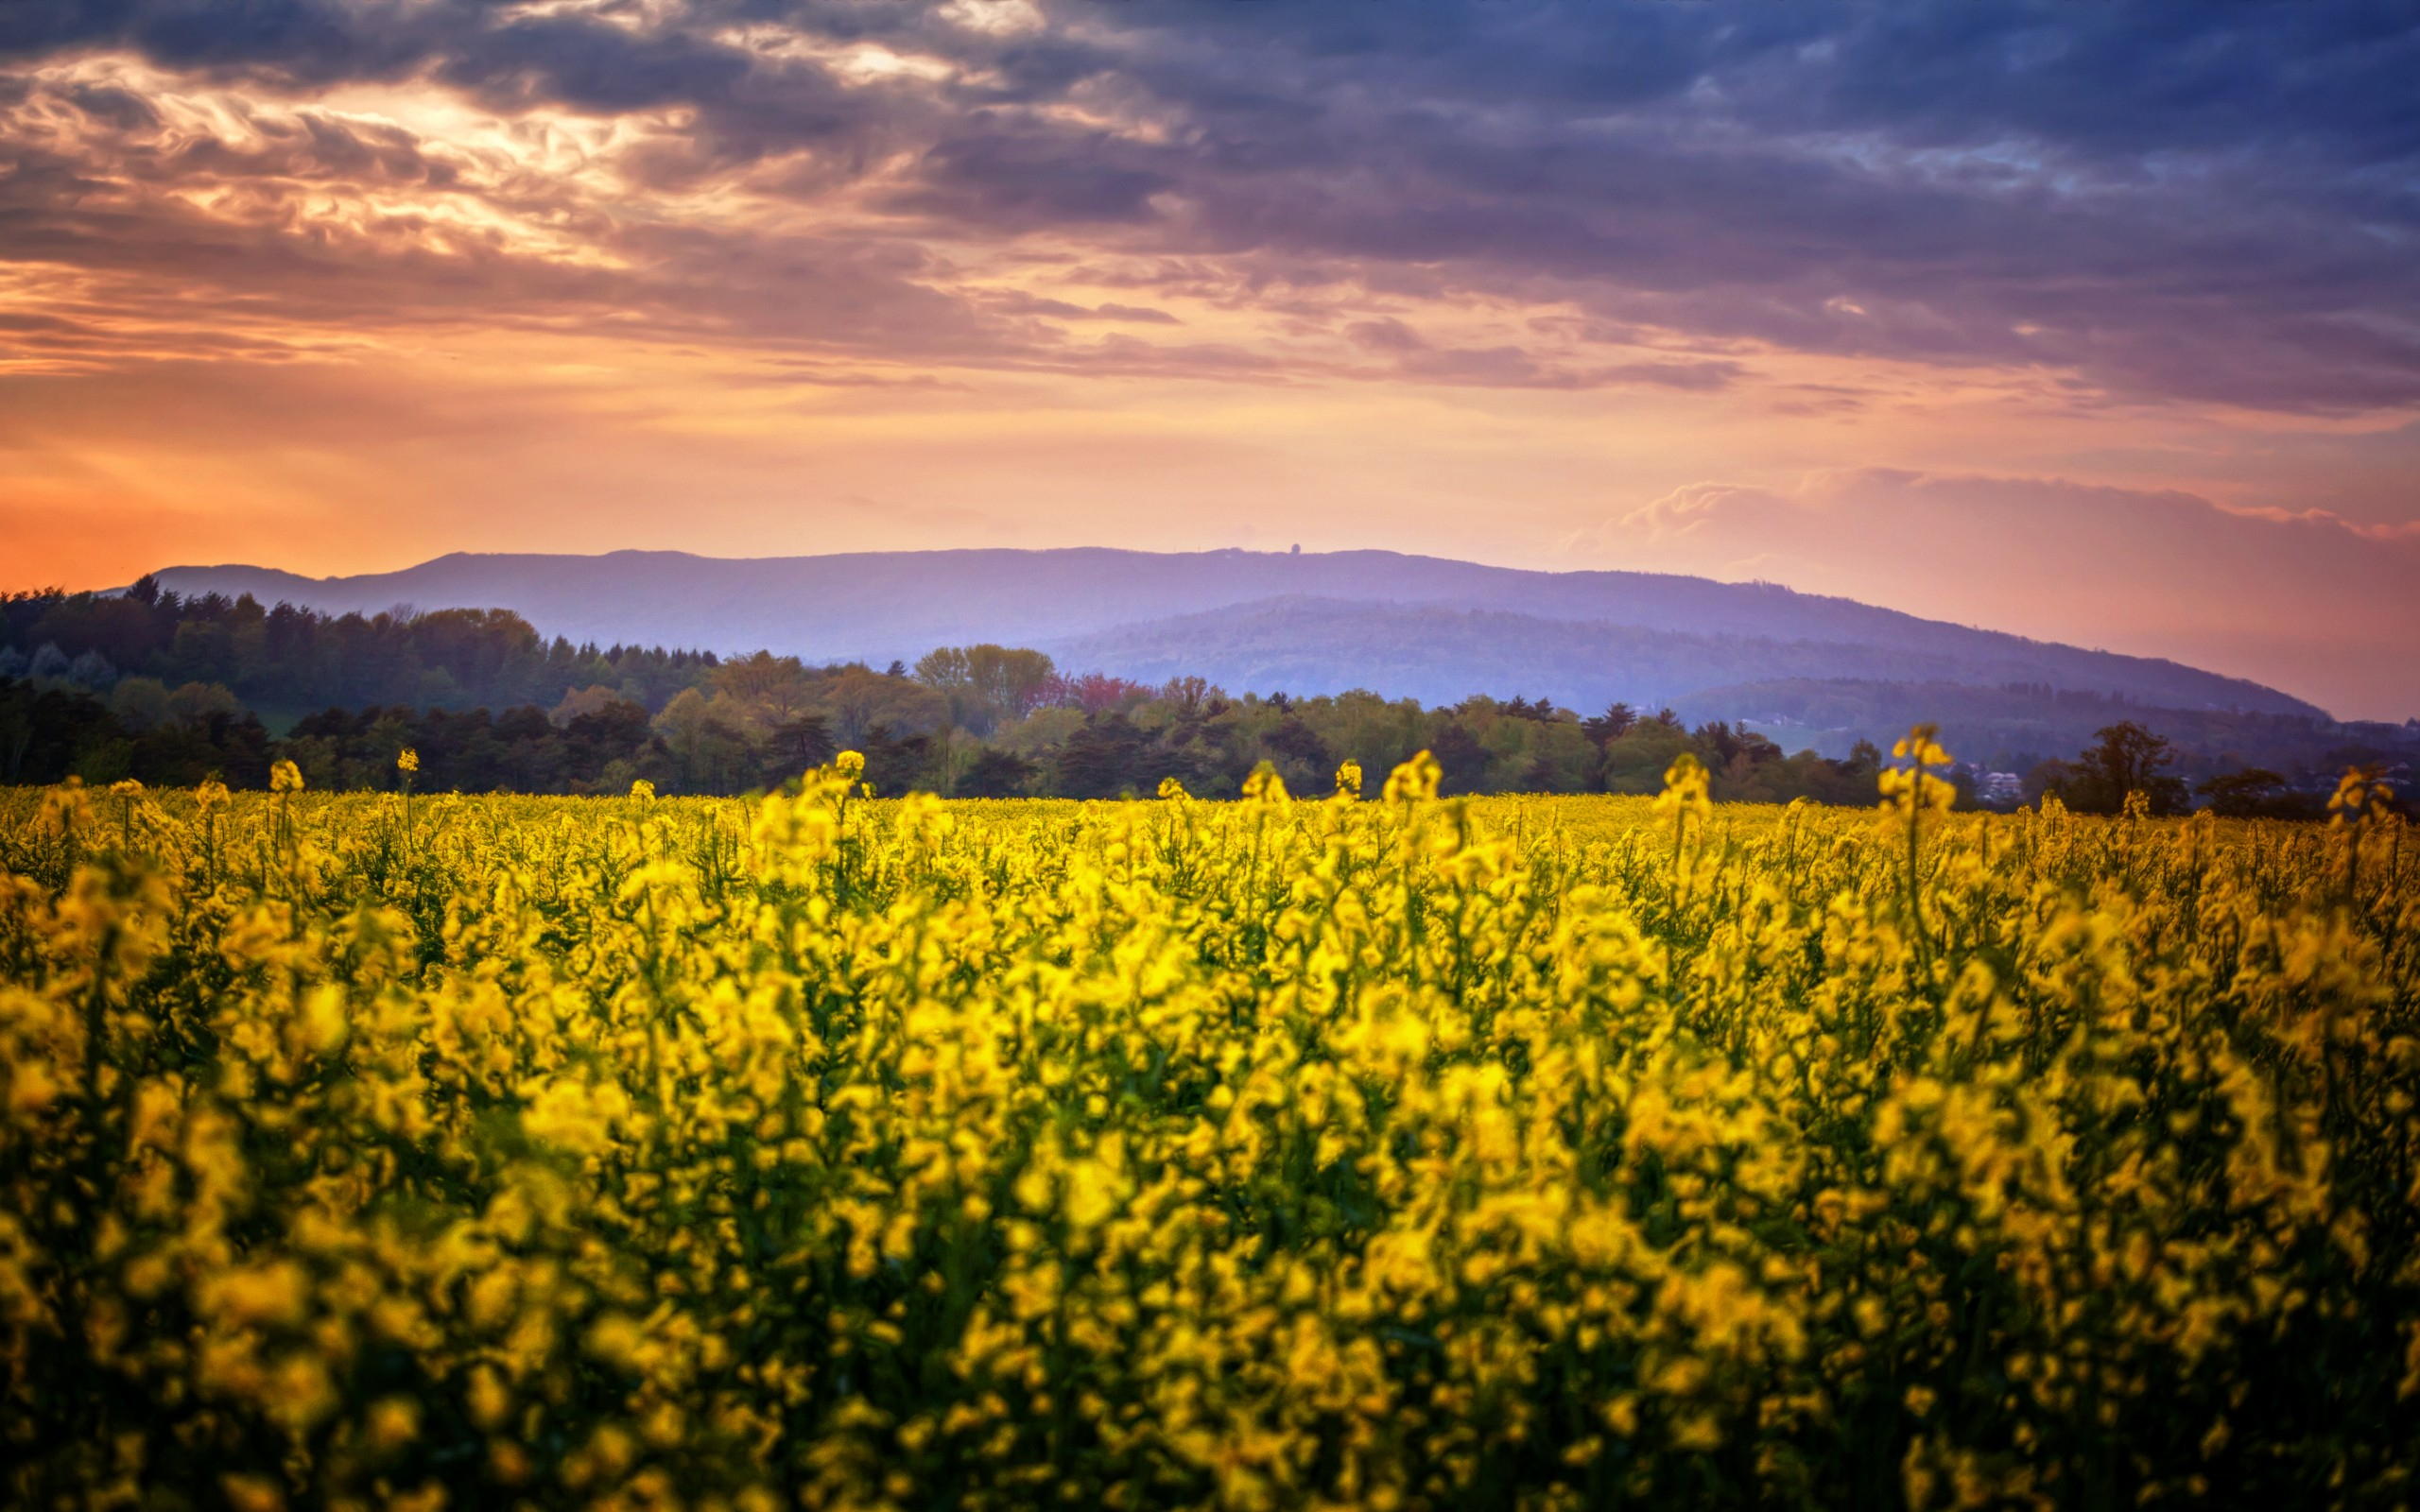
(2168, 201)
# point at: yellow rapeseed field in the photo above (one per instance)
(420, 1152)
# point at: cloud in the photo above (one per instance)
(2303, 600)
(1411, 355)
(2170, 202)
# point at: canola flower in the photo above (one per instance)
(823, 1152)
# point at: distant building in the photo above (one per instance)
(1999, 790)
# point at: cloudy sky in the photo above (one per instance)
(2098, 322)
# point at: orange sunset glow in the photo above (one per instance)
(1973, 317)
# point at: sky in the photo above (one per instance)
(2099, 323)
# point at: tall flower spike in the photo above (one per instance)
(1913, 786)
(1413, 782)
(1685, 789)
(2360, 793)
(1264, 785)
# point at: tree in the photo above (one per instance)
(1637, 763)
(896, 764)
(943, 670)
(588, 701)
(996, 774)
(140, 702)
(616, 732)
(1461, 761)
(93, 670)
(1611, 725)
(2253, 791)
(707, 746)
(1008, 682)
(2126, 759)
(1734, 754)
(797, 745)
(1186, 695)
(1300, 756)
(859, 699)
(987, 685)
(1094, 692)
(774, 689)
(1101, 759)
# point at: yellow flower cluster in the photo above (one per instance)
(817, 1152)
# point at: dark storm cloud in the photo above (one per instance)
(2176, 199)
(1033, 179)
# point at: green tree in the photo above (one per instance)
(774, 690)
(858, 699)
(943, 670)
(1008, 679)
(1636, 762)
(711, 754)
(987, 685)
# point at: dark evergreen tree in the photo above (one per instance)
(1461, 761)
(1103, 758)
(996, 774)
(1611, 725)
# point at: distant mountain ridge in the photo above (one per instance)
(1307, 623)
(1309, 646)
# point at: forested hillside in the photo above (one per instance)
(170, 689)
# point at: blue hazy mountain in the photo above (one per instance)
(1307, 623)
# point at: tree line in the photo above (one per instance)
(172, 691)
(289, 660)
(2130, 765)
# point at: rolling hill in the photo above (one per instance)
(1403, 625)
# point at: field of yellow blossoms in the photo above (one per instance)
(1365, 1150)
